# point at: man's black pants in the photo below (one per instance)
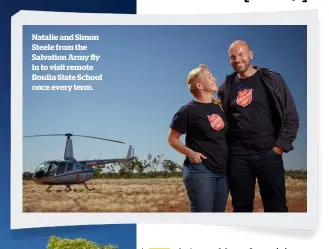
(269, 170)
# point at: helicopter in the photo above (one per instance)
(69, 171)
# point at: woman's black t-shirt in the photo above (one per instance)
(205, 127)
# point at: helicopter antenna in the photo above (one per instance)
(87, 156)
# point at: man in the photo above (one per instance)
(263, 123)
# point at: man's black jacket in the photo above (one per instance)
(283, 100)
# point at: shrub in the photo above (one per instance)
(79, 243)
(297, 174)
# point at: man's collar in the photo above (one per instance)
(262, 70)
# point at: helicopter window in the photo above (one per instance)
(52, 169)
(46, 167)
(69, 167)
(42, 167)
(39, 168)
(42, 170)
(61, 168)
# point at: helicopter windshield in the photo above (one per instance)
(46, 169)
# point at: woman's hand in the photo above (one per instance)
(173, 140)
(196, 157)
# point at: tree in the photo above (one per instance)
(122, 171)
(27, 175)
(138, 165)
(170, 166)
(153, 162)
(111, 167)
(180, 167)
(98, 172)
(147, 162)
(127, 167)
(59, 243)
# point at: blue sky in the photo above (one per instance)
(144, 83)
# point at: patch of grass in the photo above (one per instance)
(135, 195)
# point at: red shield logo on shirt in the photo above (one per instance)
(244, 97)
(216, 121)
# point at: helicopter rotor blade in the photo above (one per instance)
(69, 135)
(100, 138)
(45, 135)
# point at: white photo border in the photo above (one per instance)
(300, 221)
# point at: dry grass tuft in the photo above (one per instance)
(134, 195)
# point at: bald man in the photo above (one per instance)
(263, 123)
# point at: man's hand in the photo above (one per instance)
(278, 150)
(196, 157)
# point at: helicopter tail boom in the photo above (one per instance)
(102, 162)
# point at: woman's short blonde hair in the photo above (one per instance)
(194, 76)
(192, 79)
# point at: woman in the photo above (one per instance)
(203, 121)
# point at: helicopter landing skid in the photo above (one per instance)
(68, 188)
(87, 187)
(49, 188)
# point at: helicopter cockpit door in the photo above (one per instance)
(69, 167)
(52, 169)
(61, 168)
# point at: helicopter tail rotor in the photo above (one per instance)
(130, 153)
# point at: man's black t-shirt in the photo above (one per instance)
(205, 127)
(250, 117)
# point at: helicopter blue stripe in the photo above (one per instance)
(61, 175)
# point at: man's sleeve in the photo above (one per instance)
(179, 122)
(290, 127)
